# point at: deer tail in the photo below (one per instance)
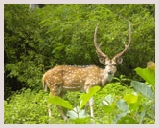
(44, 83)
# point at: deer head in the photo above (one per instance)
(110, 64)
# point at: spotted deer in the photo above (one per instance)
(64, 78)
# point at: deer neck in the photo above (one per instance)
(105, 77)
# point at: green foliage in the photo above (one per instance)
(77, 113)
(84, 98)
(136, 105)
(23, 59)
(26, 107)
(59, 101)
(127, 120)
(147, 74)
(147, 90)
(143, 88)
(132, 109)
(131, 98)
(85, 120)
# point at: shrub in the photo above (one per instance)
(26, 107)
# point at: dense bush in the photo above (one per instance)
(26, 106)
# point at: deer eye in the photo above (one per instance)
(114, 64)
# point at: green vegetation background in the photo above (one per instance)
(36, 40)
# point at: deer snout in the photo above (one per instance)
(110, 72)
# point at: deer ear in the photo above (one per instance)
(102, 60)
(119, 60)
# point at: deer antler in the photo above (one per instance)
(126, 45)
(98, 50)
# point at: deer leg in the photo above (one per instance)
(50, 110)
(60, 109)
(62, 113)
(56, 91)
(86, 106)
(91, 103)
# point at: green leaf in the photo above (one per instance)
(108, 100)
(59, 101)
(131, 98)
(108, 104)
(84, 98)
(122, 105)
(142, 115)
(109, 108)
(76, 113)
(147, 74)
(143, 88)
(119, 116)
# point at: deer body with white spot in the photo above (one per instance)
(63, 78)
